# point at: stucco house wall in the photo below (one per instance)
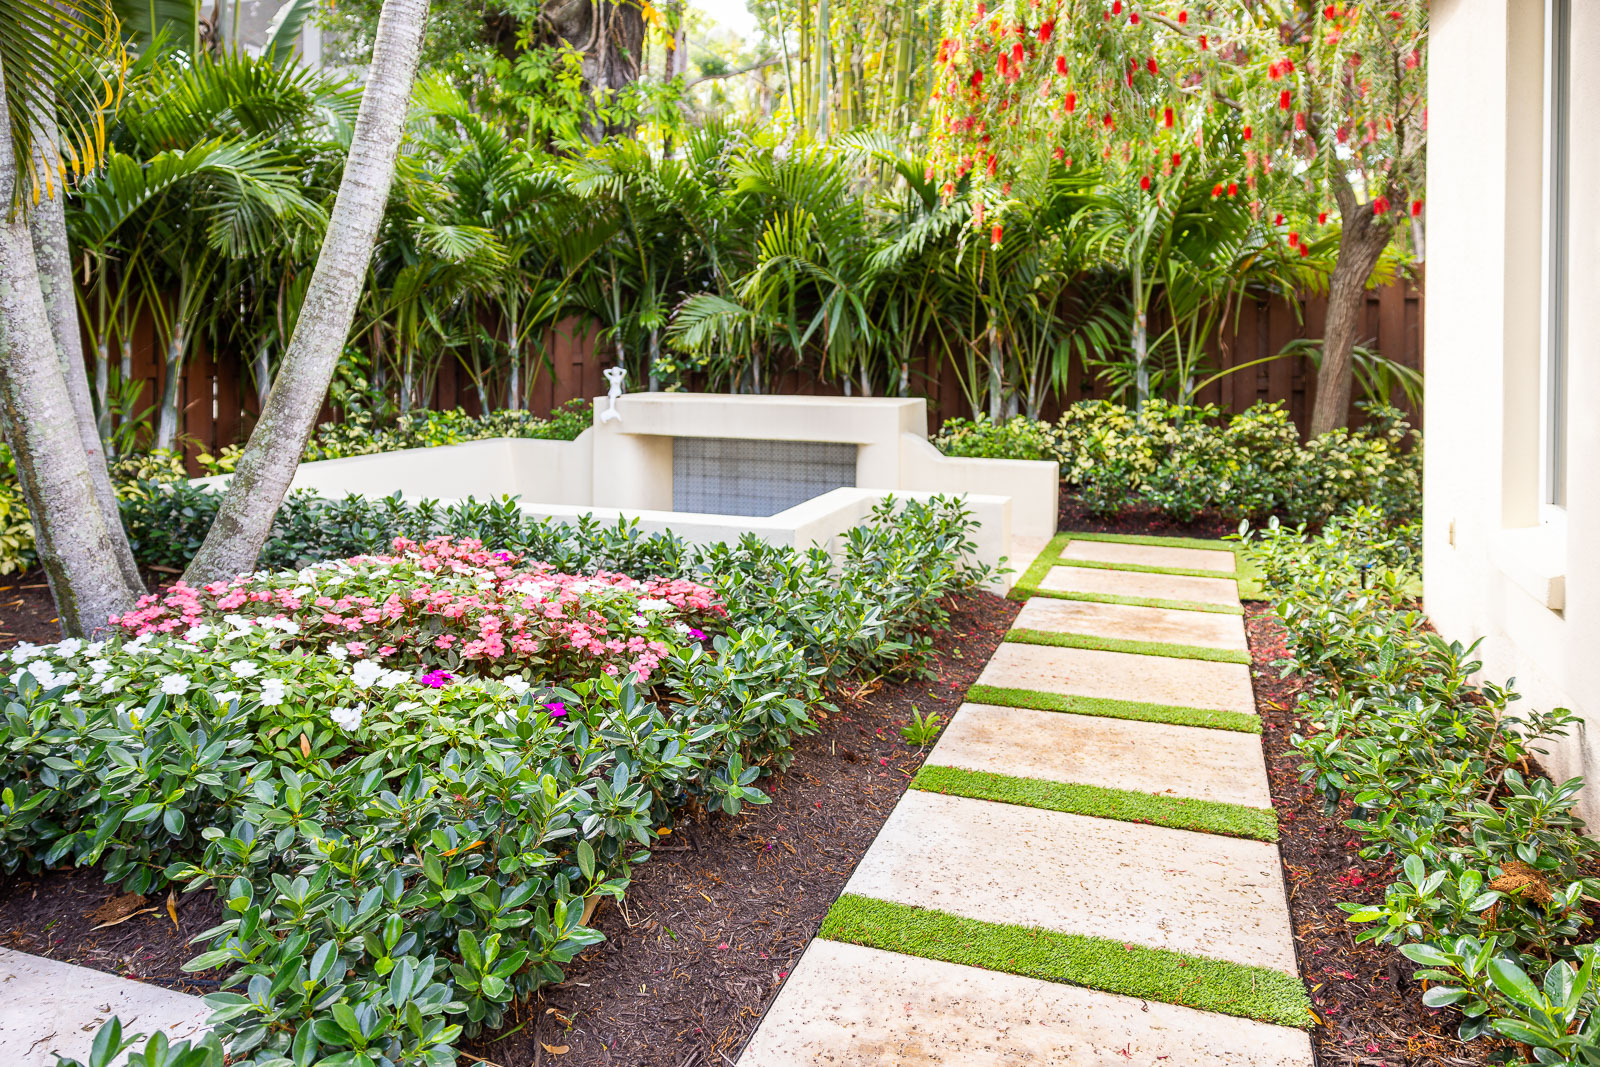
(1499, 563)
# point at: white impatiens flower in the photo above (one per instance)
(640, 620)
(245, 668)
(518, 686)
(654, 604)
(227, 696)
(682, 628)
(24, 651)
(390, 679)
(347, 718)
(365, 673)
(100, 666)
(196, 632)
(338, 652)
(68, 648)
(272, 692)
(175, 684)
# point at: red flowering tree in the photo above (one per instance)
(1327, 100)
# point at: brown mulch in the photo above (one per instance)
(27, 613)
(1138, 520)
(707, 932)
(1369, 1004)
(74, 916)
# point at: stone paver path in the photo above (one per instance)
(1085, 887)
(49, 1008)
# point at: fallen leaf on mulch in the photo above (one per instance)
(555, 1050)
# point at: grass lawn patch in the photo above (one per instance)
(1102, 802)
(1175, 714)
(1025, 636)
(1075, 959)
(1148, 568)
(1028, 584)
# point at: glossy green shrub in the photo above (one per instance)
(1494, 865)
(361, 435)
(1186, 461)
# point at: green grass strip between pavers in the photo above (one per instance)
(1147, 568)
(1175, 714)
(1205, 544)
(1025, 636)
(1138, 601)
(1075, 959)
(1245, 572)
(1102, 802)
(1040, 567)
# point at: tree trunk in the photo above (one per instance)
(997, 370)
(71, 533)
(1363, 237)
(47, 226)
(172, 370)
(1141, 341)
(273, 452)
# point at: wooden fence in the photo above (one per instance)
(218, 402)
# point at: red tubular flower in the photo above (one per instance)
(1144, 182)
(1277, 220)
(1203, 45)
(1233, 188)
(983, 9)
(1294, 238)
(1116, 7)
(1416, 208)
(1046, 28)
(1330, 11)
(1249, 133)
(1300, 121)
(1380, 206)
(1285, 99)
(995, 235)
(1166, 118)
(1150, 65)
(1133, 19)
(1000, 65)
(976, 79)
(1183, 18)
(1304, 251)
(994, 162)
(1060, 153)
(1071, 103)
(1177, 158)
(1216, 190)
(1061, 64)
(1322, 218)
(1107, 120)
(1017, 52)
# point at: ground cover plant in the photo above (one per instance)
(1491, 870)
(1187, 461)
(411, 775)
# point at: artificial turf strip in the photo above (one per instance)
(1246, 573)
(1173, 714)
(1203, 543)
(1074, 959)
(1039, 567)
(1025, 636)
(1101, 802)
(1147, 568)
(1137, 601)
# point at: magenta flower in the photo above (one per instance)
(437, 679)
(557, 709)
(698, 635)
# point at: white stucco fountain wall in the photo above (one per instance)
(794, 470)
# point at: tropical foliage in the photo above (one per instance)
(412, 812)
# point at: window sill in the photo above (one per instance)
(1535, 560)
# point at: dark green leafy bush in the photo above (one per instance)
(1185, 461)
(361, 435)
(1494, 864)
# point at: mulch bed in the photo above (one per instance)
(708, 931)
(26, 611)
(1138, 520)
(1369, 1003)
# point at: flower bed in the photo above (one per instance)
(1189, 461)
(1492, 875)
(410, 834)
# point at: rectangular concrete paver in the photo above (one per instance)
(1089, 672)
(1192, 892)
(1147, 757)
(849, 1006)
(49, 1008)
(1204, 559)
(1208, 629)
(1141, 584)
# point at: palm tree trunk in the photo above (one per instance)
(273, 452)
(47, 226)
(1141, 340)
(172, 370)
(1362, 238)
(997, 371)
(72, 535)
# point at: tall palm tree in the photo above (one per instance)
(61, 63)
(272, 454)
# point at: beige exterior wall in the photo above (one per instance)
(1497, 564)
